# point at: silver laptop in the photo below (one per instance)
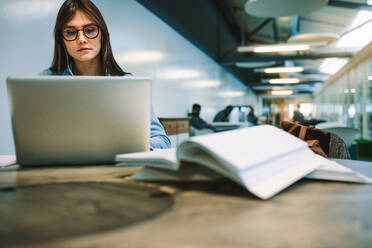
(64, 120)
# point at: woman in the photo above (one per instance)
(82, 47)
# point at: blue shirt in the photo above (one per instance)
(198, 122)
(158, 138)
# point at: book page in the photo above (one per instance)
(246, 147)
(161, 158)
(263, 159)
(272, 177)
(199, 156)
(333, 171)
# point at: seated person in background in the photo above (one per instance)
(223, 115)
(297, 115)
(251, 118)
(196, 121)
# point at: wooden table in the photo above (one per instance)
(100, 207)
(177, 129)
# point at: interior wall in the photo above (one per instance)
(142, 44)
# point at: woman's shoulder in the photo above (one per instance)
(47, 72)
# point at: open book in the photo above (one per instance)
(263, 159)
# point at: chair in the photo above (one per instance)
(347, 134)
(337, 148)
(324, 125)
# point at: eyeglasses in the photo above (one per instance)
(90, 31)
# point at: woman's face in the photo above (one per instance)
(82, 49)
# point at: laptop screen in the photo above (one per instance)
(64, 120)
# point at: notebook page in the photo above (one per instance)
(246, 147)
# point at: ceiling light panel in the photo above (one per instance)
(281, 48)
(282, 92)
(283, 69)
(284, 81)
(277, 48)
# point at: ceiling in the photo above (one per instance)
(219, 27)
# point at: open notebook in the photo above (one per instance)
(263, 159)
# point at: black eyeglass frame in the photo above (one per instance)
(82, 29)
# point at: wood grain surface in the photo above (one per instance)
(208, 214)
(57, 211)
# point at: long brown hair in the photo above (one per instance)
(65, 14)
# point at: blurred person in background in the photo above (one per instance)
(223, 115)
(251, 118)
(297, 115)
(196, 121)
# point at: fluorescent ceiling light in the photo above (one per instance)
(281, 48)
(282, 92)
(231, 93)
(274, 48)
(353, 90)
(283, 69)
(137, 57)
(346, 91)
(284, 81)
(369, 77)
(202, 84)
